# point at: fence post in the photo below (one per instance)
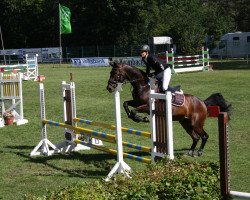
(223, 153)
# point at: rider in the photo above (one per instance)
(162, 70)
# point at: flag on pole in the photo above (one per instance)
(65, 26)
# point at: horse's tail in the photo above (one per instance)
(217, 99)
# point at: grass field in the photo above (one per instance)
(21, 174)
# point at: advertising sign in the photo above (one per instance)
(89, 62)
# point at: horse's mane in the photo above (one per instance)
(144, 75)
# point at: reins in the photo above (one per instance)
(125, 81)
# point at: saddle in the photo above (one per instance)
(178, 97)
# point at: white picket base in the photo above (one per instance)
(43, 148)
(243, 195)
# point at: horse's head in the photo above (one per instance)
(117, 75)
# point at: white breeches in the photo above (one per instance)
(166, 78)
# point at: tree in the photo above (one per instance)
(190, 21)
(34, 23)
(236, 13)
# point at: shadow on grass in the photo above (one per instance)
(181, 152)
(231, 65)
(96, 165)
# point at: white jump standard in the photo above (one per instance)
(45, 147)
(12, 97)
(120, 166)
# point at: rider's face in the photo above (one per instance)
(143, 54)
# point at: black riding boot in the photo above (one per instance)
(174, 89)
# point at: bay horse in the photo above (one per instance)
(191, 115)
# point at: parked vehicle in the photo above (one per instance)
(233, 45)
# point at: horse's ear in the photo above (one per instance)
(113, 63)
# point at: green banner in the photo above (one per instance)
(65, 19)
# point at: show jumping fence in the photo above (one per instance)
(161, 123)
(11, 97)
(189, 63)
(29, 69)
(72, 132)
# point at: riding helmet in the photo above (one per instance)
(145, 47)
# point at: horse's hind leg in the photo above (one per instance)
(198, 129)
(187, 125)
(204, 136)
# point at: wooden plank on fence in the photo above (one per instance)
(224, 182)
(161, 129)
(67, 99)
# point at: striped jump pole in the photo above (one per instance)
(114, 152)
(96, 134)
(113, 127)
(80, 129)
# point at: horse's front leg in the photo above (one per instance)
(126, 104)
(132, 114)
(143, 109)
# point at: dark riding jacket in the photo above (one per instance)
(152, 62)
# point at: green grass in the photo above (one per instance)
(21, 174)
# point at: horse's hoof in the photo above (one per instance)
(200, 153)
(190, 153)
(145, 119)
(136, 119)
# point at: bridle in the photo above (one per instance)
(114, 83)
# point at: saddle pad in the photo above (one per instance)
(178, 99)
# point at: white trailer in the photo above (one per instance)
(233, 45)
(160, 44)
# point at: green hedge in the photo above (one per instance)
(178, 179)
